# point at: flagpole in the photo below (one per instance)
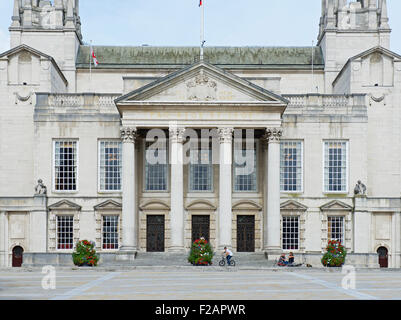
(202, 29)
(90, 67)
(313, 75)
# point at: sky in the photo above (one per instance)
(177, 22)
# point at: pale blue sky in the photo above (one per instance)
(176, 22)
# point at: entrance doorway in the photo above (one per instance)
(155, 233)
(17, 256)
(200, 227)
(245, 233)
(383, 257)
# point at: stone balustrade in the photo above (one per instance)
(76, 100)
(325, 101)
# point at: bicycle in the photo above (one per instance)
(222, 262)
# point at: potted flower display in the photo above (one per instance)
(201, 253)
(85, 254)
(335, 254)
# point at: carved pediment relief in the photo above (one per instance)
(201, 88)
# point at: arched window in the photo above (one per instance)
(376, 70)
(25, 68)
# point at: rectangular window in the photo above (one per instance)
(155, 167)
(291, 166)
(110, 166)
(335, 229)
(110, 232)
(65, 232)
(200, 170)
(290, 236)
(65, 165)
(245, 163)
(335, 166)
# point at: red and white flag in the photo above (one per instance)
(200, 3)
(95, 62)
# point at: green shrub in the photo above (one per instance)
(85, 254)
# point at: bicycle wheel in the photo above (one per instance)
(232, 263)
(222, 263)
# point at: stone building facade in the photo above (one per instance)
(79, 143)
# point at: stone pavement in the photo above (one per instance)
(197, 283)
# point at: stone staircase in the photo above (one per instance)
(167, 259)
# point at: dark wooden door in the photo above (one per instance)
(246, 233)
(383, 257)
(200, 227)
(155, 233)
(17, 256)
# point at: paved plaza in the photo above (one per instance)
(196, 283)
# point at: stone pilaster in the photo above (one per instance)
(272, 196)
(177, 189)
(129, 205)
(225, 187)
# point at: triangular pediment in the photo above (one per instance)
(108, 205)
(65, 205)
(375, 50)
(23, 48)
(292, 205)
(202, 82)
(336, 205)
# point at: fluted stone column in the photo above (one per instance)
(272, 216)
(129, 210)
(177, 189)
(225, 187)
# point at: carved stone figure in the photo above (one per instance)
(360, 189)
(40, 188)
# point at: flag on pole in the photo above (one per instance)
(95, 62)
(200, 3)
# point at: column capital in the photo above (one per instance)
(177, 134)
(273, 135)
(225, 134)
(128, 134)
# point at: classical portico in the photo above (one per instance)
(201, 97)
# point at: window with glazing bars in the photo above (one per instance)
(245, 180)
(200, 170)
(65, 232)
(290, 233)
(335, 166)
(110, 232)
(291, 166)
(110, 165)
(335, 228)
(65, 165)
(156, 170)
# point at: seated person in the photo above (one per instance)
(291, 258)
(282, 262)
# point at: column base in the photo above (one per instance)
(273, 253)
(176, 250)
(126, 256)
